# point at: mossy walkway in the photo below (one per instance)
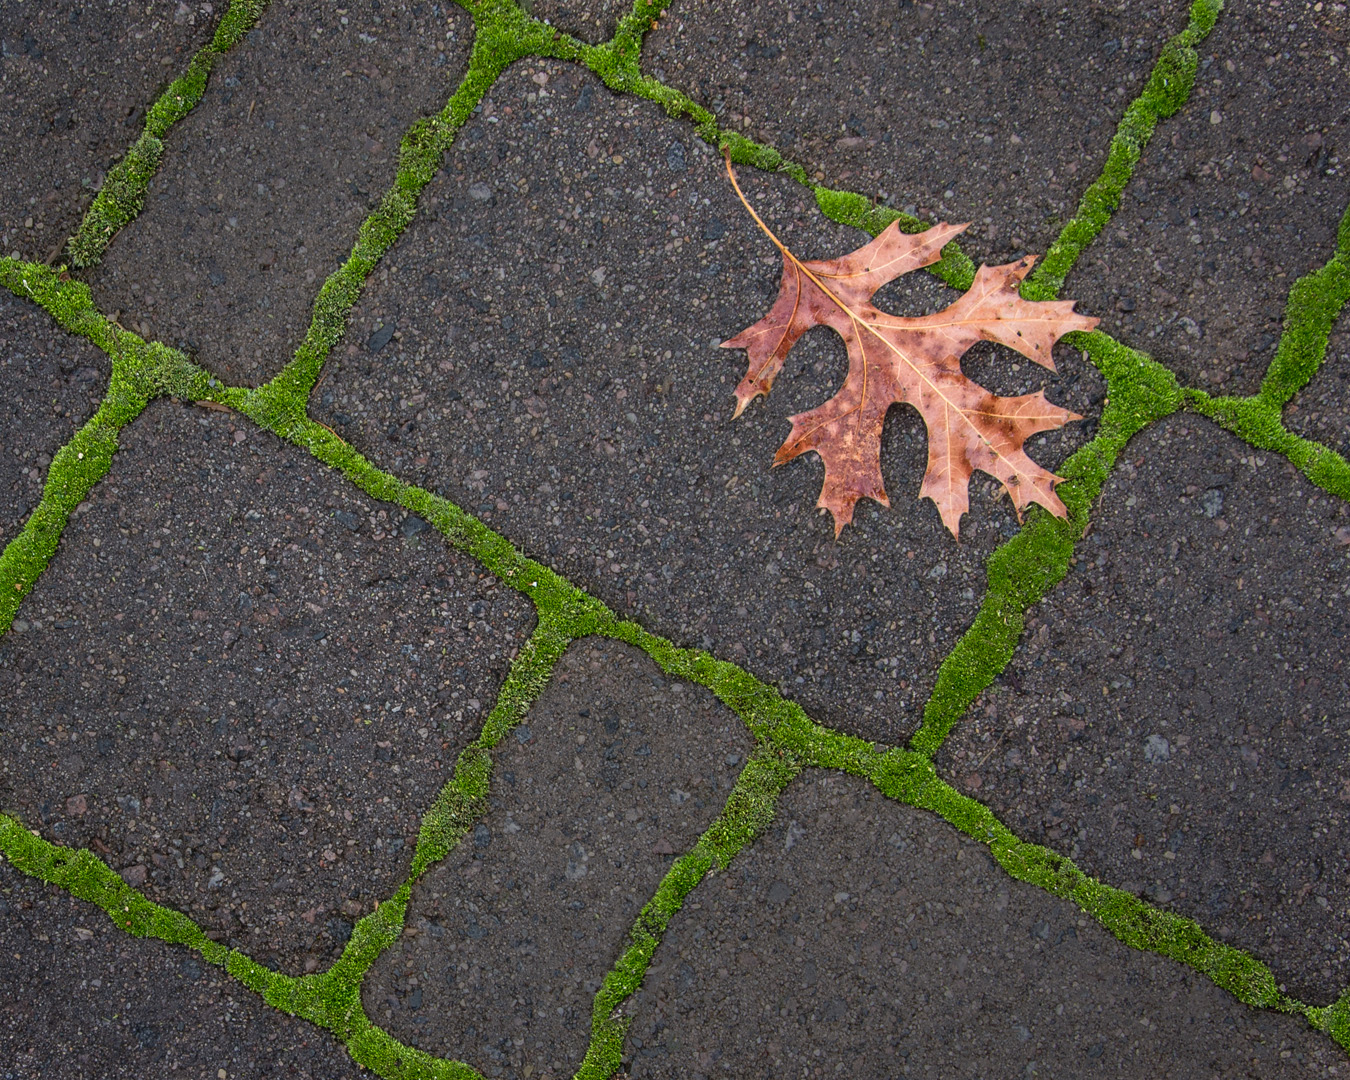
(546, 614)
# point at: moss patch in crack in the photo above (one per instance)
(1310, 312)
(1257, 421)
(747, 812)
(1165, 92)
(1168, 87)
(1334, 1019)
(84, 875)
(462, 801)
(123, 192)
(910, 778)
(86, 458)
(1315, 301)
(141, 371)
(503, 34)
(331, 999)
(420, 153)
(1026, 567)
(632, 27)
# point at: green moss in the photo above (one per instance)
(909, 778)
(1024, 569)
(1257, 421)
(1168, 87)
(420, 153)
(1310, 312)
(1166, 90)
(123, 192)
(331, 999)
(462, 800)
(86, 877)
(1334, 1019)
(748, 811)
(635, 24)
(85, 460)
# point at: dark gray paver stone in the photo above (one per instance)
(588, 20)
(616, 771)
(75, 79)
(1321, 410)
(1238, 196)
(85, 1001)
(241, 686)
(554, 370)
(1178, 716)
(265, 184)
(999, 114)
(861, 937)
(52, 383)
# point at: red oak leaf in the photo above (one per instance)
(917, 362)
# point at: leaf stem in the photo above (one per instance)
(760, 221)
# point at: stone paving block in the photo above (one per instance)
(615, 771)
(1238, 197)
(241, 683)
(999, 115)
(1177, 719)
(82, 1000)
(859, 936)
(52, 384)
(75, 79)
(1321, 410)
(588, 20)
(259, 200)
(542, 353)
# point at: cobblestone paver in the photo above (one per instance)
(439, 684)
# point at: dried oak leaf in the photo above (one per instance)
(914, 361)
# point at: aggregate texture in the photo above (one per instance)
(54, 383)
(548, 358)
(1229, 209)
(257, 200)
(83, 1000)
(1176, 719)
(1129, 392)
(853, 932)
(615, 771)
(993, 114)
(592, 21)
(1321, 410)
(243, 682)
(75, 80)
